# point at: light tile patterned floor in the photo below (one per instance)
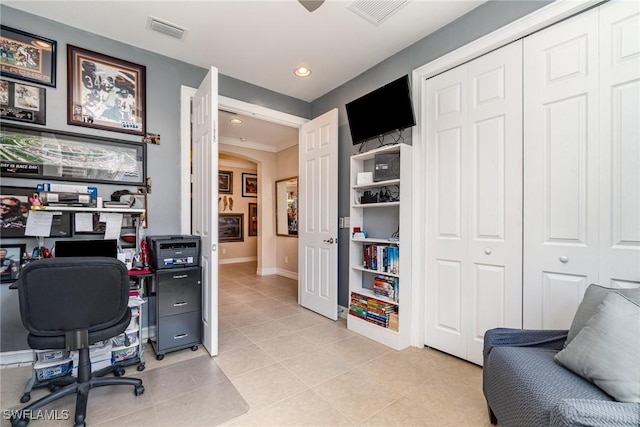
(293, 368)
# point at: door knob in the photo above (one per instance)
(564, 258)
(487, 251)
(330, 240)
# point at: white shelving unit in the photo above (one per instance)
(382, 221)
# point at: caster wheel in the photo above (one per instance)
(25, 398)
(160, 357)
(140, 367)
(139, 390)
(53, 387)
(19, 422)
(119, 372)
(148, 340)
(194, 348)
(80, 425)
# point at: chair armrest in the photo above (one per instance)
(501, 337)
(596, 413)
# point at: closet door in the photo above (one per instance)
(620, 144)
(474, 198)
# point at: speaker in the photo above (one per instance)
(387, 166)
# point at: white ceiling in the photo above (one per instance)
(261, 41)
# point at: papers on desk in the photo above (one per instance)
(39, 224)
(114, 224)
(84, 221)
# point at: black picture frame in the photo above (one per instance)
(60, 227)
(253, 220)
(80, 157)
(22, 102)
(249, 185)
(105, 92)
(11, 270)
(225, 182)
(36, 62)
(230, 228)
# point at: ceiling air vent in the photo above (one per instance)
(376, 11)
(166, 28)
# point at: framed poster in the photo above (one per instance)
(42, 153)
(225, 182)
(249, 185)
(15, 206)
(10, 261)
(230, 228)
(105, 92)
(27, 57)
(23, 103)
(253, 219)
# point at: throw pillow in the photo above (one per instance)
(593, 296)
(607, 350)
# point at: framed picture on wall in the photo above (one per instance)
(253, 219)
(43, 153)
(10, 261)
(22, 103)
(249, 185)
(15, 208)
(28, 57)
(105, 92)
(230, 228)
(225, 182)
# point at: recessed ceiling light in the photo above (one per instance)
(235, 121)
(302, 72)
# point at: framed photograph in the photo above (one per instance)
(253, 219)
(225, 182)
(230, 228)
(15, 207)
(21, 102)
(10, 261)
(249, 185)
(27, 57)
(105, 92)
(42, 153)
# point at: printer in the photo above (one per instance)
(174, 251)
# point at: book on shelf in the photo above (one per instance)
(386, 286)
(382, 258)
(374, 311)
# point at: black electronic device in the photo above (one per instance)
(386, 166)
(368, 197)
(84, 248)
(381, 111)
(173, 251)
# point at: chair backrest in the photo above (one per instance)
(58, 295)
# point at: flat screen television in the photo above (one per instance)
(384, 110)
(76, 248)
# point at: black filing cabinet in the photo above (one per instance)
(178, 310)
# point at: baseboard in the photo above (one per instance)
(16, 358)
(266, 271)
(237, 260)
(288, 274)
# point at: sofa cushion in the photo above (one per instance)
(523, 384)
(592, 298)
(595, 413)
(607, 350)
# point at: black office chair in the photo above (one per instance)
(70, 303)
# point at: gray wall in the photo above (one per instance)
(475, 24)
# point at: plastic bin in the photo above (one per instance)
(52, 369)
(49, 355)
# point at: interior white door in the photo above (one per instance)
(318, 215)
(474, 199)
(560, 170)
(620, 147)
(205, 200)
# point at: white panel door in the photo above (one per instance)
(474, 202)
(620, 144)
(205, 201)
(318, 215)
(560, 170)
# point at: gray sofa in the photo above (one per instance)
(524, 386)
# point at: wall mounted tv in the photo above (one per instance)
(384, 110)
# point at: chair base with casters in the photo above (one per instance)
(80, 386)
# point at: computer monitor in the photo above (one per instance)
(77, 248)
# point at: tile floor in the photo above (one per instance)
(291, 366)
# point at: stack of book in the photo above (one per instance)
(383, 258)
(386, 286)
(373, 310)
